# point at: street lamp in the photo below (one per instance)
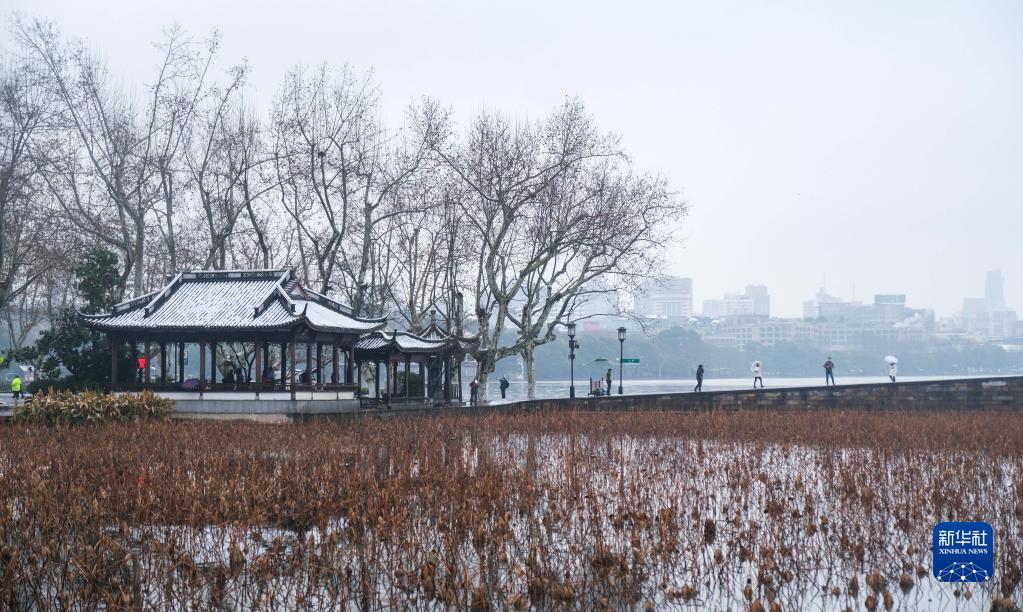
(621, 355)
(572, 345)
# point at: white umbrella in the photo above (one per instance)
(890, 359)
(754, 365)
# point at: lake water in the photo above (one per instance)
(559, 388)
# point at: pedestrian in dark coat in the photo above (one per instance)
(829, 371)
(699, 379)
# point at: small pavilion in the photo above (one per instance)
(252, 334)
(436, 355)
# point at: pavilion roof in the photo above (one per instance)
(400, 341)
(232, 300)
(396, 341)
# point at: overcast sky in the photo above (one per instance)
(877, 145)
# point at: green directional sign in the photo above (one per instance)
(630, 360)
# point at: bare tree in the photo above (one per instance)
(338, 170)
(116, 148)
(554, 215)
(223, 160)
(25, 113)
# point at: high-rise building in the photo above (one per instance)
(994, 290)
(668, 296)
(812, 308)
(761, 299)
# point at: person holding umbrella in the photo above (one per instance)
(893, 367)
(757, 368)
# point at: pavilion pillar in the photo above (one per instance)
(213, 361)
(113, 363)
(265, 349)
(423, 374)
(309, 362)
(163, 363)
(408, 372)
(358, 376)
(376, 364)
(133, 353)
(350, 366)
(459, 380)
(334, 375)
(284, 363)
(149, 368)
(291, 358)
(181, 362)
(259, 367)
(202, 366)
(319, 363)
(447, 379)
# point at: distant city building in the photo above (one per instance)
(812, 308)
(987, 317)
(733, 305)
(755, 301)
(994, 290)
(669, 296)
(761, 299)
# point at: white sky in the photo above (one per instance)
(877, 144)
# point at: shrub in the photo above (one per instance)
(70, 408)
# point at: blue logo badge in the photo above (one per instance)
(964, 552)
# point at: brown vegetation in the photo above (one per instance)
(595, 511)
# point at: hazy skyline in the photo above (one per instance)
(877, 145)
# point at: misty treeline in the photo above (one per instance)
(526, 219)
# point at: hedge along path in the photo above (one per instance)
(787, 510)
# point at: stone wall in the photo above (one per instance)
(999, 393)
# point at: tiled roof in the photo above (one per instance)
(403, 342)
(231, 300)
(435, 332)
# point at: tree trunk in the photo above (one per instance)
(485, 365)
(529, 358)
(172, 246)
(140, 253)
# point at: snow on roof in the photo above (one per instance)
(402, 341)
(230, 299)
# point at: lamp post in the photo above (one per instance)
(621, 355)
(572, 345)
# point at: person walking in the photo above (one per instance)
(608, 378)
(504, 387)
(16, 387)
(892, 370)
(474, 390)
(829, 371)
(757, 369)
(699, 379)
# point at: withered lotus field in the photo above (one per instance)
(749, 510)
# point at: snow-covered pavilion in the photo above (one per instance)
(266, 335)
(436, 354)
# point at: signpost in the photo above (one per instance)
(630, 360)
